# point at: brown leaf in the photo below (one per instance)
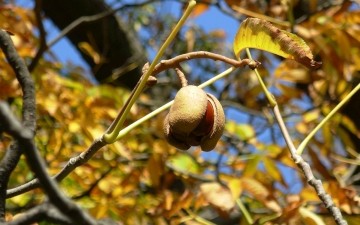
(218, 196)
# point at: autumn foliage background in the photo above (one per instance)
(143, 180)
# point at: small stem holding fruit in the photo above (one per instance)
(127, 129)
(181, 75)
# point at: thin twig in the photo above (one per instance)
(42, 32)
(68, 168)
(89, 19)
(172, 63)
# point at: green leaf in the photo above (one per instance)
(260, 34)
(184, 162)
(245, 131)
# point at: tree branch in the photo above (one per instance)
(305, 167)
(68, 168)
(13, 154)
(44, 211)
(172, 63)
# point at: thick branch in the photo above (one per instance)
(13, 154)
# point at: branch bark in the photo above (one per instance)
(14, 152)
(305, 167)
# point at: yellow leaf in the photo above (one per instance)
(309, 217)
(311, 116)
(290, 71)
(245, 131)
(289, 91)
(272, 170)
(260, 34)
(251, 166)
(261, 193)
(105, 186)
(235, 187)
(89, 50)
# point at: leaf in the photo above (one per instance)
(184, 162)
(218, 196)
(261, 193)
(260, 34)
(290, 71)
(251, 166)
(235, 187)
(245, 131)
(273, 171)
(318, 165)
(309, 217)
(89, 50)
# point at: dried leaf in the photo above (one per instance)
(218, 196)
(260, 34)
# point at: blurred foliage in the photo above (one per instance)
(143, 180)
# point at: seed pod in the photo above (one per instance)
(196, 118)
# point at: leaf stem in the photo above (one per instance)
(303, 144)
(112, 137)
(244, 211)
(268, 95)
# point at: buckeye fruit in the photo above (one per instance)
(195, 118)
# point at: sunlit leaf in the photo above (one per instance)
(287, 90)
(184, 162)
(288, 71)
(352, 17)
(260, 34)
(252, 166)
(89, 50)
(309, 217)
(245, 131)
(272, 170)
(261, 193)
(235, 187)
